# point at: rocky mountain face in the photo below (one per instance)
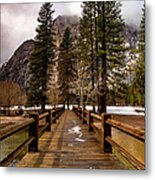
(131, 35)
(16, 69)
(61, 23)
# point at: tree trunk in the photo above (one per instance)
(96, 12)
(92, 53)
(68, 102)
(43, 103)
(103, 88)
(43, 107)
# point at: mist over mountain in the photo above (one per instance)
(131, 35)
(16, 68)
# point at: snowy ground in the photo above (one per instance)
(129, 110)
(124, 110)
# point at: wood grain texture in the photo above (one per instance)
(70, 145)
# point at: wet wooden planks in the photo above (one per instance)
(70, 145)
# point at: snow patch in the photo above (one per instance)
(75, 130)
(80, 140)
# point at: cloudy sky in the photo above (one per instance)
(18, 21)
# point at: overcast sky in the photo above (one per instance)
(18, 21)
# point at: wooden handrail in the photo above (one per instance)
(44, 115)
(96, 116)
(6, 161)
(57, 113)
(133, 131)
(34, 131)
(13, 129)
(107, 143)
(135, 163)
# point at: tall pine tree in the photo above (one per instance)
(114, 51)
(67, 71)
(139, 80)
(87, 53)
(103, 30)
(41, 57)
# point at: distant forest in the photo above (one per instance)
(95, 66)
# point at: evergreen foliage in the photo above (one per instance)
(114, 50)
(86, 53)
(102, 49)
(139, 80)
(41, 57)
(67, 70)
(102, 71)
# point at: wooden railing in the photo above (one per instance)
(57, 113)
(37, 124)
(104, 124)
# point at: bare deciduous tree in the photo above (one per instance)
(11, 94)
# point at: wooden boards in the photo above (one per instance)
(70, 145)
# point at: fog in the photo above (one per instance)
(18, 21)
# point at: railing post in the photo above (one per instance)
(48, 120)
(105, 131)
(79, 112)
(90, 121)
(53, 117)
(34, 132)
(83, 116)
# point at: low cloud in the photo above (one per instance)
(18, 21)
(132, 11)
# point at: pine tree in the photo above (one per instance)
(139, 80)
(67, 72)
(41, 57)
(116, 52)
(87, 53)
(108, 53)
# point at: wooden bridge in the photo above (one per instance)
(74, 139)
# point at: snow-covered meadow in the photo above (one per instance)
(124, 110)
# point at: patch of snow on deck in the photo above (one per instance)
(75, 130)
(80, 140)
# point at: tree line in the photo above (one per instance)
(94, 69)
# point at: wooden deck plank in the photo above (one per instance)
(70, 145)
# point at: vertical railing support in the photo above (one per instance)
(83, 117)
(48, 120)
(90, 121)
(53, 117)
(34, 132)
(105, 131)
